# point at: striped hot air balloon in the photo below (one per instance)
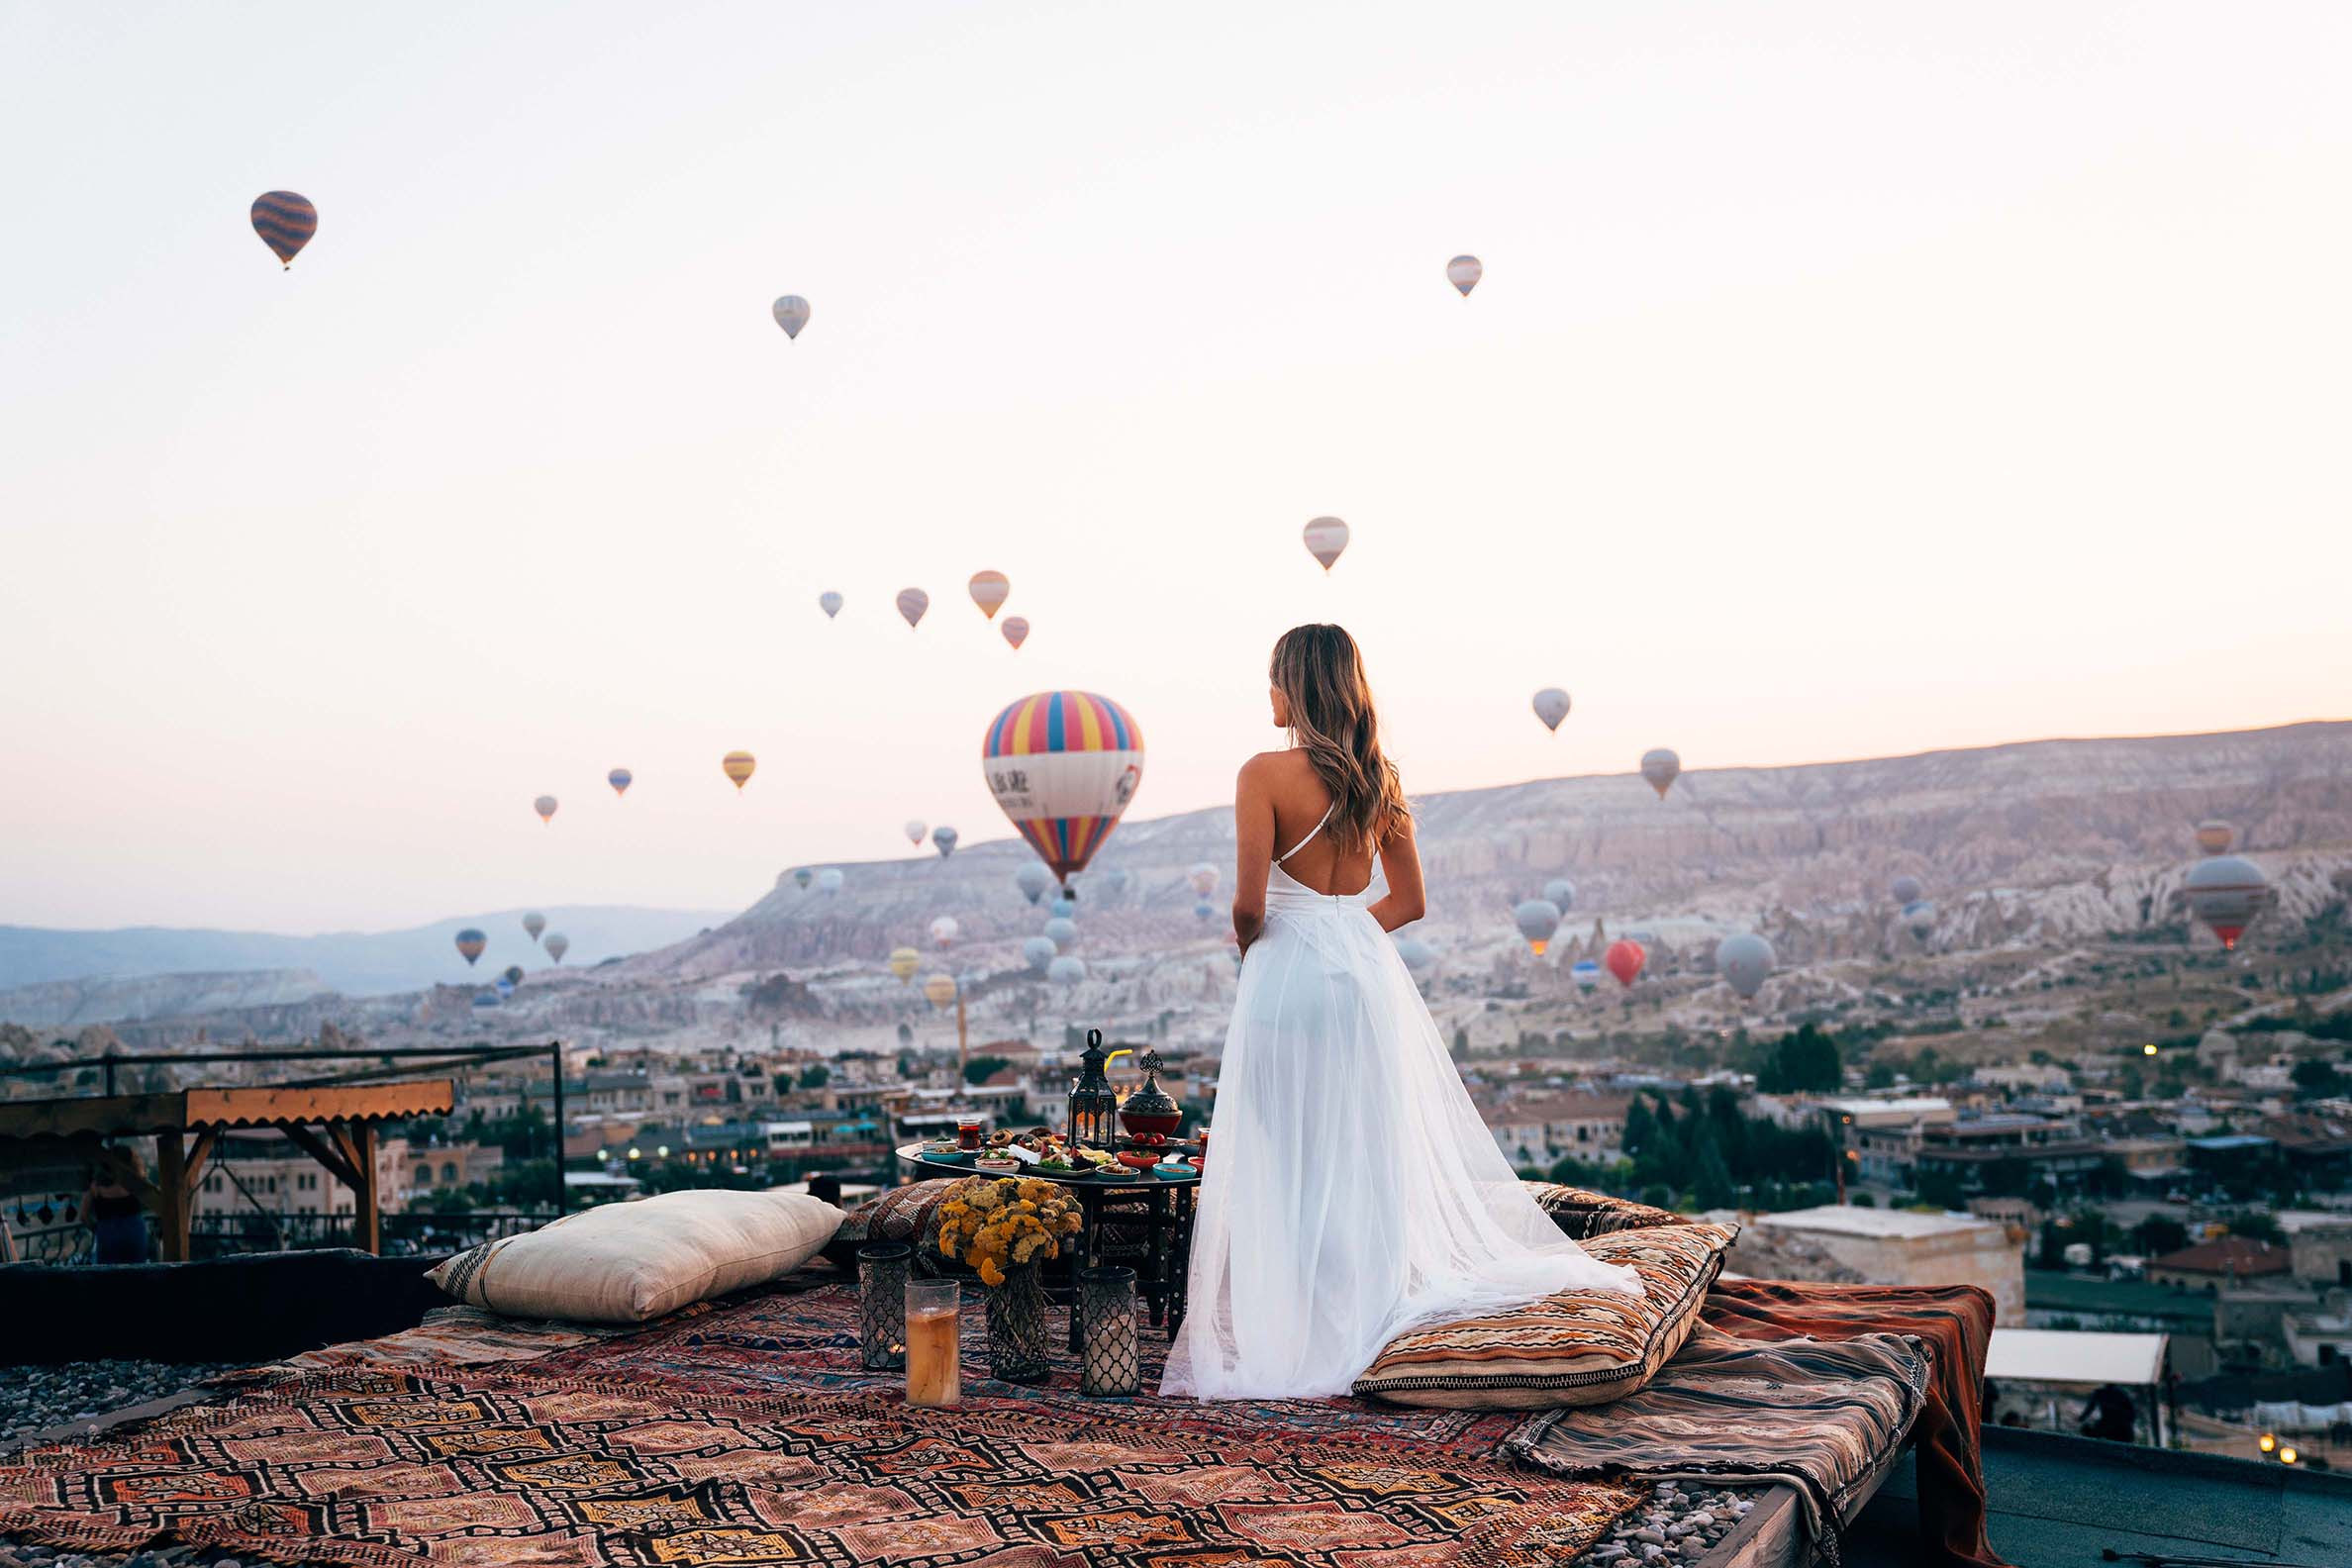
(621, 779)
(989, 590)
(1463, 272)
(737, 766)
(285, 222)
(1016, 629)
(1325, 538)
(912, 603)
(904, 962)
(1063, 766)
(470, 944)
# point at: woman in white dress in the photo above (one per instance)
(1353, 1190)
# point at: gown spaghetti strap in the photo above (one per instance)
(1355, 1191)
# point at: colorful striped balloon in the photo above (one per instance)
(1063, 766)
(1016, 631)
(989, 591)
(912, 602)
(285, 222)
(737, 766)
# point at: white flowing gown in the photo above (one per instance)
(1351, 1189)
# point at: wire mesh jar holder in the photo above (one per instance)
(882, 1268)
(1111, 1365)
(1016, 1342)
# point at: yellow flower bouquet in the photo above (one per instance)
(997, 1225)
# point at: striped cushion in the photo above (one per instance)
(908, 1213)
(1582, 1213)
(1572, 1347)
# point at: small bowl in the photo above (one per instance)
(998, 1164)
(1167, 1171)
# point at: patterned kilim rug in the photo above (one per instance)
(662, 1456)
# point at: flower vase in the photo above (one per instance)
(1018, 1347)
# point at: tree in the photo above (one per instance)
(980, 1069)
(1710, 1181)
(1641, 1129)
(1805, 1061)
(816, 1076)
(2159, 1235)
(2316, 1080)
(2258, 1224)
(1461, 1045)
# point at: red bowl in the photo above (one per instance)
(1164, 1122)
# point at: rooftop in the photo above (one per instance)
(2240, 1255)
(1831, 1218)
(1917, 1106)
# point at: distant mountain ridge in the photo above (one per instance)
(353, 963)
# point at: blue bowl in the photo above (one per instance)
(1174, 1172)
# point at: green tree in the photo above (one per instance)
(1710, 1180)
(1641, 1127)
(816, 1076)
(980, 1069)
(2258, 1224)
(2159, 1235)
(2316, 1080)
(1802, 1062)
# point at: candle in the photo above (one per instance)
(935, 1375)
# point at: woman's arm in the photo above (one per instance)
(1400, 856)
(1254, 849)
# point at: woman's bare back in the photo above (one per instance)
(1300, 801)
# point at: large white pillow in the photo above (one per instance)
(626, 1262)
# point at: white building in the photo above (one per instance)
(1893, 1247)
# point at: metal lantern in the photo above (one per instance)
(882, 1269)
(1094, 1109)
(1112, 1365)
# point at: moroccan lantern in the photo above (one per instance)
(1094, 1109)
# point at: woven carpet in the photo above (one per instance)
(663, 1448)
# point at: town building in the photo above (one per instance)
(2224, 1263)
(1879, 1139)
(1893, 1246)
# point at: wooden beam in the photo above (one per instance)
(318, 1148)
(340, 1133)
(370, 1226)
(171, 1196)
(106, 1115)
(198, 1153)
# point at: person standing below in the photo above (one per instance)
(118, 1220)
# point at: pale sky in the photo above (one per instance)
(1845, 380)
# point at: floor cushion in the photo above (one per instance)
(626, 1262)
(1571, 1347)
(1582, 1213)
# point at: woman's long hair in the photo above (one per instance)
(1319, 671)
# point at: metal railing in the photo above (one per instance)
(404, 1235)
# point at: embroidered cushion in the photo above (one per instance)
(909, 1213)
(1581, 1212)
(626, 1262)
(1571, 1347)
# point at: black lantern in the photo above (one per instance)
(1094, 1109)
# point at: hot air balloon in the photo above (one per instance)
(1907, 890)
(535, 922)
(792, 314)
(989, 589)
(1585, 974)
(546, 807)
(285, 222)
(914, 832)
(1745, 961)
(1064, 765)
(1661, 768)
(737, 766)
(1561, 891)
(904, 962)
(912, 602)
(1463, 272)
(1203, 878)
(470, 944)
(802, 876)
(1062, 931)
(1537, 918)
(2226, 892)
(829, 602)
(514, 974)
(504, 987)
(943, 932)
(1624, 959)
(1204, 910)
(1016, 629)
(828, 881)
(1920, 916)
(1066, 970)
(944, 840)
(2215, 836)
(1063, 907)
(939, 989)
(1421, 959)
(486, 999)
(1325, 538)
(1038, 952)
(1551, 706)
(1032, 879)
(621, 779)
(557, 945)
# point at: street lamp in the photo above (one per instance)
(2287, 1456)
(2265, 1442)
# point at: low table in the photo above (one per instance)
(1159, 1205)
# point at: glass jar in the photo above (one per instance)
(935, 1364)
(882, 1270)
(1111, 1363)
(1019, 1350)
